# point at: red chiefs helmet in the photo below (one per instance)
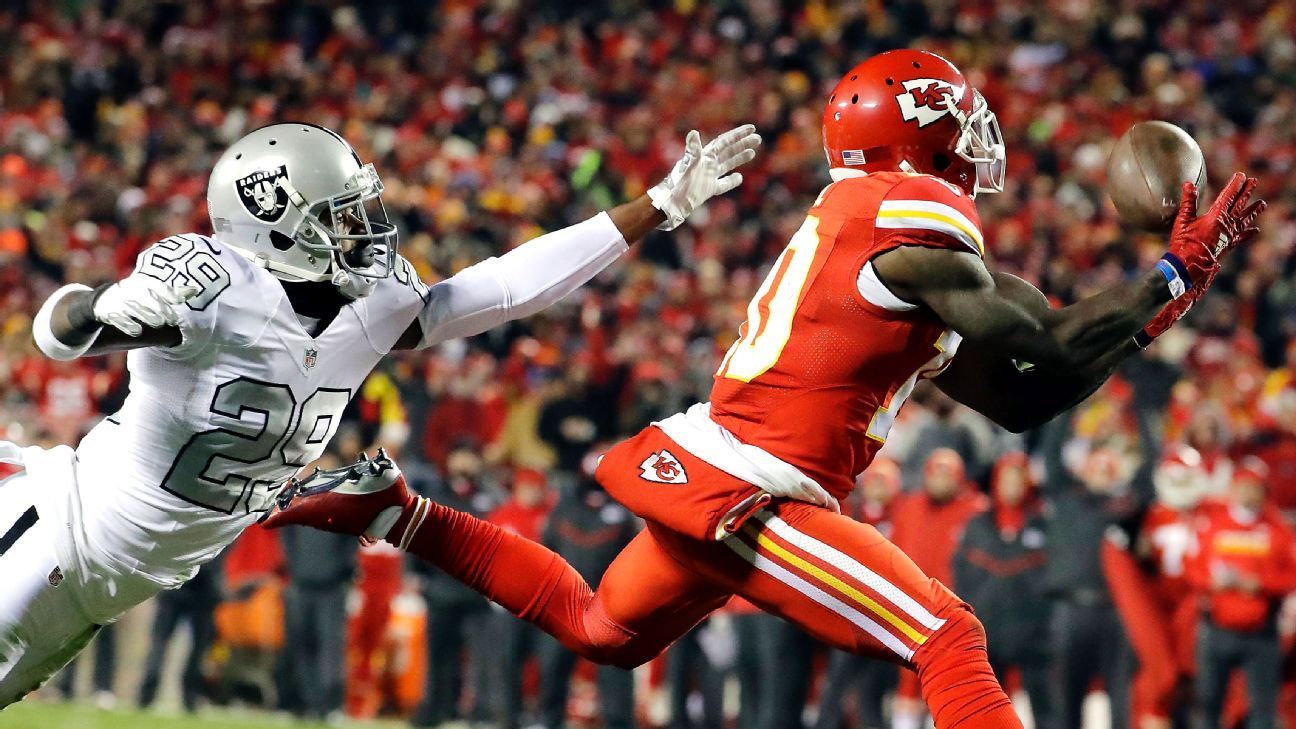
(913, 111)
(1179, 479)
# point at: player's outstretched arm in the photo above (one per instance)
(1023, 362)
(540, 272)
(137, 311)
(1019, 394)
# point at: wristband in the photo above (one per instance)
(1176, 275)
(1142, 339)
(81, 312)
(43, 332)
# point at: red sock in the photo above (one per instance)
(957, 682)
(526, 578)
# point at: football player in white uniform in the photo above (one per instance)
(246, 345)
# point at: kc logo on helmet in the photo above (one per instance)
(262, 195)
(926, 100)
(662, 467)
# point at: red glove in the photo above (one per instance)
(1198, 244)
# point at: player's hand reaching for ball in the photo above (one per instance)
(139, 301)
(1199, 243)
(703, 172)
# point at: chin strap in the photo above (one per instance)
(350, 286)
(354, 287)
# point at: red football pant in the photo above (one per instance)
(1162, 637)
(836, 578)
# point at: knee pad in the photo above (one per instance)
(962, 632)
(957, 682)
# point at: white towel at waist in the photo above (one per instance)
(697, 433)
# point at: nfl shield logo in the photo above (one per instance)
(309, 359)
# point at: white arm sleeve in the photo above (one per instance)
(43, 332)
(521, 282)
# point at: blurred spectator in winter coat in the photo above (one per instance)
(999, 570)
(321, 569)
(929, 522)
(588, 529)
(1244, 567)
(577, 418)
(1086, 640)
(456, 614)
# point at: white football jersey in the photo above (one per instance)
(214, 425)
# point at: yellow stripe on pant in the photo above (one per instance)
(836, 583)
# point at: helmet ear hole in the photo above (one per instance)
(941, 162)
(280, 241)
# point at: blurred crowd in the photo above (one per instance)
(492, 122)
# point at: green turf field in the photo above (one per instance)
(31, 715)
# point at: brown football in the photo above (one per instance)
(1146, 170)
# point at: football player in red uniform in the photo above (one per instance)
(882, 284)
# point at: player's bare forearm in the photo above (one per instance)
(1022, 362)
(636, 218)
(1097, 332)
(72, 321)
(1012, 316)
(1020, 395)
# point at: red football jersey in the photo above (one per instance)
(819, 371)
(1171, 540)
(1260, 547)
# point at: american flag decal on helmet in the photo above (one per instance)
(853, 156)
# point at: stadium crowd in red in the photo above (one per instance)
(491, 122)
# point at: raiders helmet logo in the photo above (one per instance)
(262, 195)
(926, 100)
(662, 467)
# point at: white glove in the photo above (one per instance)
(703, 172)
(138, 301)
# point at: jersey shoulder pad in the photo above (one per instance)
(190, 259)
(933, 210)
(235, 300)
(853, 197)
(394, 304)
